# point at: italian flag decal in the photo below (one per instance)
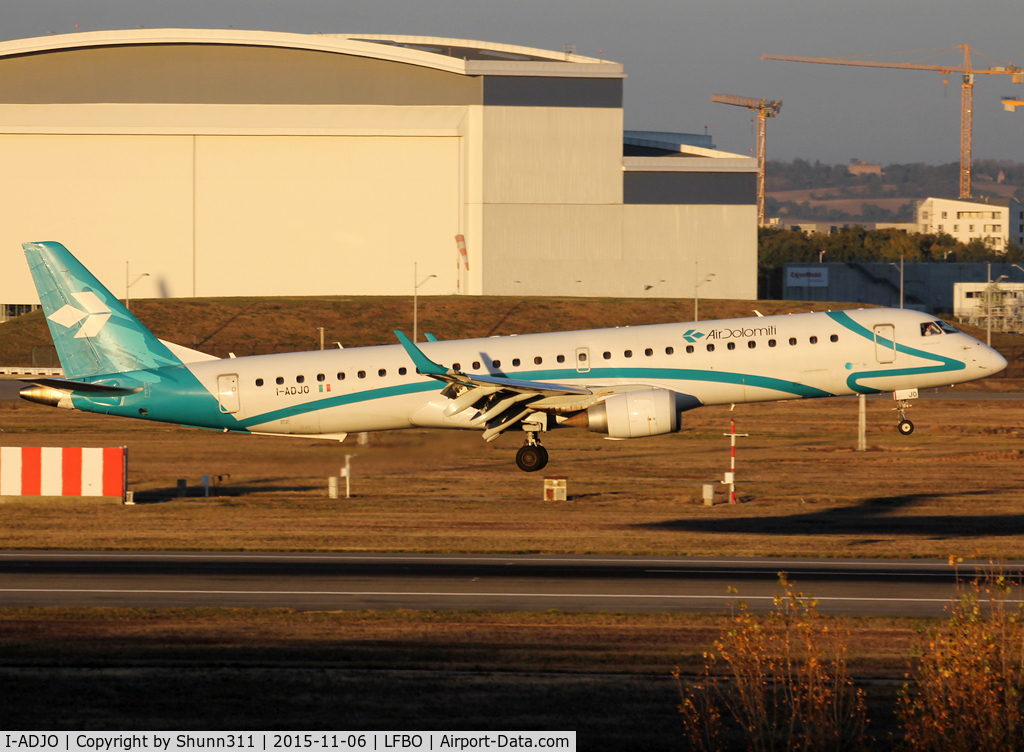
(325, 387)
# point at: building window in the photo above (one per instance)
(259, 382)
(943, 215)
(970, 228)
(997, 215)
(941, 228)
(924, 215)
(956, 228)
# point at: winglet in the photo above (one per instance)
(424, 364)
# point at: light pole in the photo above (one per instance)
(992, 287)
(900, 267)
(416, 282)
(697, 282)
(128, 285)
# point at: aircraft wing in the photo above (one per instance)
(429, 368)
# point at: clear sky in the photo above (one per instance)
(677, 54)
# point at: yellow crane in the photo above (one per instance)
(765, 109)
(1010, 104)
(966, 95)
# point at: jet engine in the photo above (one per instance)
(630, 415)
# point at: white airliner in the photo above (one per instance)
(627, 383)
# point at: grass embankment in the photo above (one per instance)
(256, 326)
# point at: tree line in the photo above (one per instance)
(777, 246)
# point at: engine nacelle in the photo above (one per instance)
(630, 415)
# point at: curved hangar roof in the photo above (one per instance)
(259, 67)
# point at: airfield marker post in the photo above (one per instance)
(346, 473)
(862, 422)
(730, 477)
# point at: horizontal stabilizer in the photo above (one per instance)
(84, 386)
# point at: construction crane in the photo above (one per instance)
(966, 97)
(765, 109)
(1010, 104)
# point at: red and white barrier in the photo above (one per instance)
(63, 471)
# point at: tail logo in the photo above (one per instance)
(95, 315)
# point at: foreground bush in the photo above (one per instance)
(775, 682)
(969, 674)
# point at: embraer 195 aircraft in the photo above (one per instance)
(626, 383)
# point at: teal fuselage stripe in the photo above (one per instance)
(947, 365)
(673, 374)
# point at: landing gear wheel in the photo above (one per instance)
(905, 427)
(531, 458)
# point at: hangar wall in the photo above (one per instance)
(619, 251)
(226, 162)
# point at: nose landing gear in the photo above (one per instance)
(903, 397)
(531, 456)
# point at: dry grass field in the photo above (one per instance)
(954, 486)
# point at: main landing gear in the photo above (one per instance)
(531, 456)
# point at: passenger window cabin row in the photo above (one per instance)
(538, 360)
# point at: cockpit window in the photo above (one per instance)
(932, 328)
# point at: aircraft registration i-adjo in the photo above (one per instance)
(627, 383)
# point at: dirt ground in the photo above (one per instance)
(954, 486)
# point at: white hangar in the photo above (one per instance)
(229, 162)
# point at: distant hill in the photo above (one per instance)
(801, 190)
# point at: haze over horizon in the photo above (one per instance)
(677, 55)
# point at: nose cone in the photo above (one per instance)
(996, 362)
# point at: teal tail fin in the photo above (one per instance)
(93, 332)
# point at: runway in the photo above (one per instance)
(464, 582)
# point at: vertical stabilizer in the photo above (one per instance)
(93, 332)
